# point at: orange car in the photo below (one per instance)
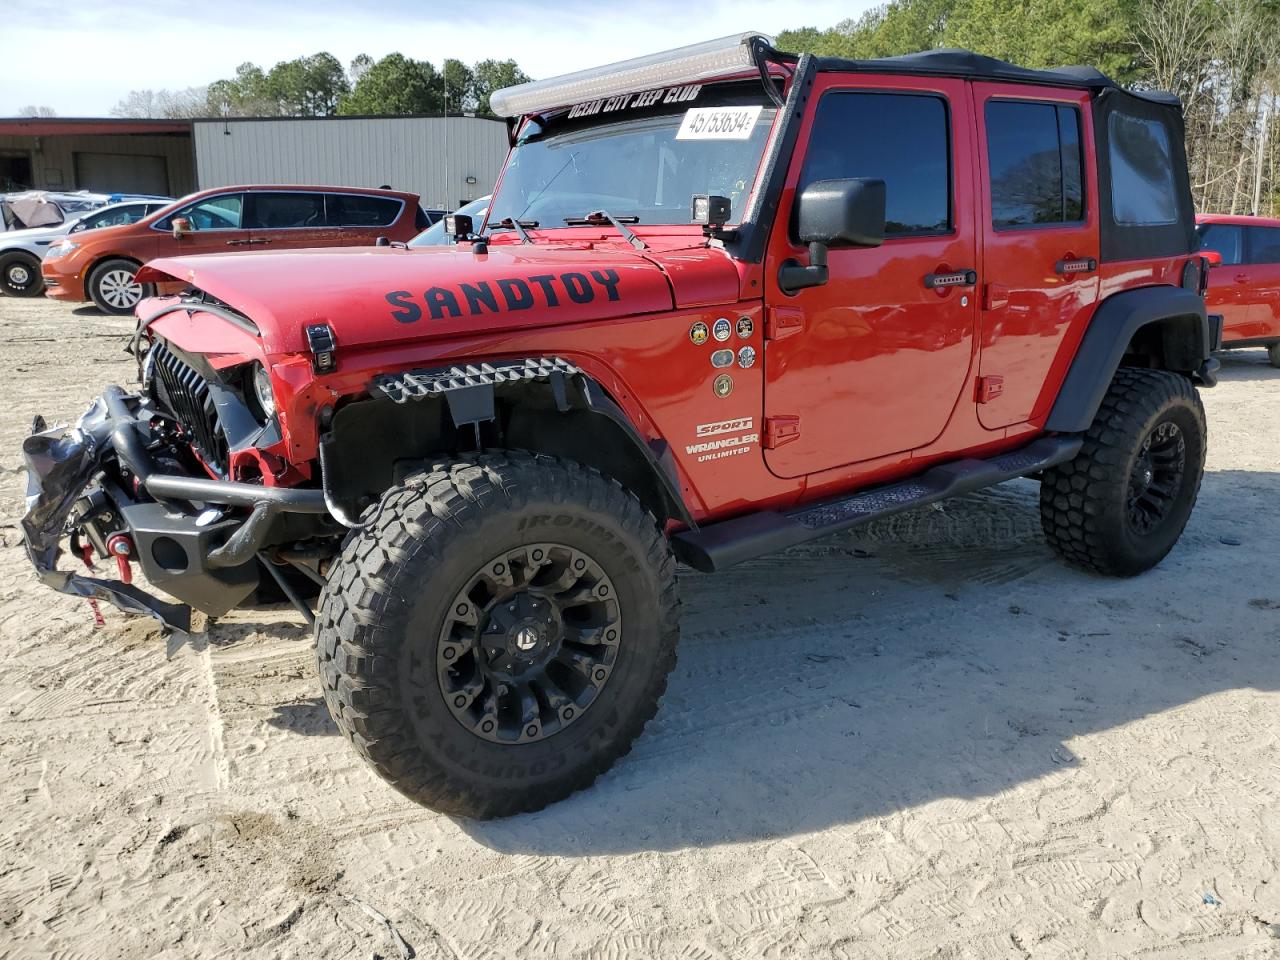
(1245, 286)
(100, 266)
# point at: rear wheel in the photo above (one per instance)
(1273, 354)
(498, 632)
(113, 288)
(20, 275)
(1120, 505)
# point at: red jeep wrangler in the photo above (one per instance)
(726, 300)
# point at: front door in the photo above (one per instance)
(216, 227)
(1040, 243)
(1230, 292)
(873, 362)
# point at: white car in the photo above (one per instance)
(22, 250)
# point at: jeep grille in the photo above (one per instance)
(186, 394)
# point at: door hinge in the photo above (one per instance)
(782, 322)
(989, 388)
(780, 430)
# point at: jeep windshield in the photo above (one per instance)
(635, 157)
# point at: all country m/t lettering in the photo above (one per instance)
(505, 294)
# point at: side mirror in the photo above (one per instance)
(829, 213)
(1211, 257)
(459, 226)
(181, 227)
(842, 213)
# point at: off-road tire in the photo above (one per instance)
(1084, 502)
(1273, 354)
(98, 278)
(391, 592)
(20, 275)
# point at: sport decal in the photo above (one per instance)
(732, 437)
(509, 293)
(719, 123)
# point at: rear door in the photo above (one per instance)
(873, 362)
(1039, 243)
(1263, 246)
(289, 219)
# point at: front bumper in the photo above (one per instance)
(191, 536)
(62, 284)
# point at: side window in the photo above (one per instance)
(274, 211)
(900, 138)
(1143, 192)
(212, 213)
(353, 210)
(1264, 244)
(1033, 150)
(1226, 240)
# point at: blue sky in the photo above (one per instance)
(83, 56)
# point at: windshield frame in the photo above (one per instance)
(748, 204)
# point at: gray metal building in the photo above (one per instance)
(446, 161)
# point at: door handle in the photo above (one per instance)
(1076, 265)
(237, 243)
(1242, 278)
(957, 278)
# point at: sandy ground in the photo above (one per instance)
(928, 740)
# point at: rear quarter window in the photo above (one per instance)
(1143, 192)
(351, 210)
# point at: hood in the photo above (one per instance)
(380, 295)
(36, 234)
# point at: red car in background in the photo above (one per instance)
(1245, 287)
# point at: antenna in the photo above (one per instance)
(444, 80)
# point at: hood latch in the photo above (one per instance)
(323, 346)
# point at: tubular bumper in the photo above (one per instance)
(207, 560)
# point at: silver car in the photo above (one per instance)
(22, 250)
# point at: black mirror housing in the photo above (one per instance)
(848, 213)
(459, 226)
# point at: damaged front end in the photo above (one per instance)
(118, 485)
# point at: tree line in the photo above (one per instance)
(319, 86)
(1221, 57)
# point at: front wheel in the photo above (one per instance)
(20, 275)
(497, 632)
(114, 289)
(1273, 354)
(1120, 505)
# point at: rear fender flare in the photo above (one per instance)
(1184, 337)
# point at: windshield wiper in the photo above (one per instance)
(518, 226)
(597, 217)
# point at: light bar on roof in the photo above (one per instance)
(698, 61)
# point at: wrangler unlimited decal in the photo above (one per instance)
(510, 293)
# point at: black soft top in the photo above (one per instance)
(974, 66)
